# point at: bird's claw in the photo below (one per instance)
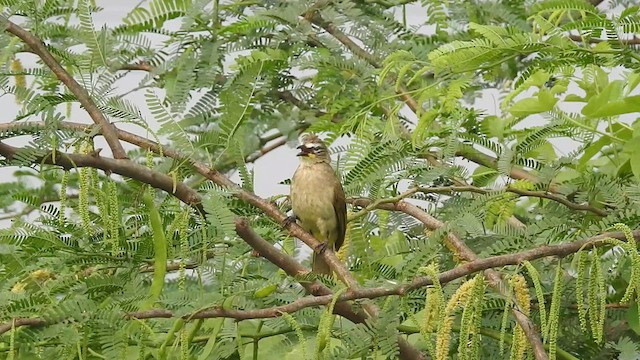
(289, 220)
(321, 247)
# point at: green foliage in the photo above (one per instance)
(224, 81)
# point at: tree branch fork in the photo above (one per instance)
(122, 166)
(444, 277)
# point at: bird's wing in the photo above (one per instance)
(340, 208)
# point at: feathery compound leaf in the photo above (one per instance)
(169, 126)
(218, 215)
(475, 105)
(96, 42)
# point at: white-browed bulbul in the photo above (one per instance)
(318, 199)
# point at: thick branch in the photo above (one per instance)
(465, 253)
(123, 167)
(324, 295)
(38, 47)
(189, 196)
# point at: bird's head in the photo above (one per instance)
(313, 150)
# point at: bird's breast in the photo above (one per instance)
(312, 193)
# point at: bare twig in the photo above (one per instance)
(141, 66)
(635, 40)
(266, 149)
(376, 204)
(529, 193)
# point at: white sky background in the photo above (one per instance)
(278, 164)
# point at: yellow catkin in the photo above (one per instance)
(554, 312)
(20, 79)
(114, 217)
(183, 229)
(83, 193)
(431, 311)
(18, 288)
(468, 345)
(184, 344)
(444, 334)
(523, 300)
(343, 252)
(41, 275)
(631, 248)
(581, 258)
(63, 197)
(535, 277)
(597, 298)
(434, 302)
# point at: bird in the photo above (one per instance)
(318, 200)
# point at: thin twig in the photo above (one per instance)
(266, 149)
(528, 193)
(315, 18)
(635, 40)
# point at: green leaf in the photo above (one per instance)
(633, 149)
(544, 102)
(627, 105)
(632, 82)
(593, 149)
(483, 176)
(493, 126)
(633, 318)
(612, 92)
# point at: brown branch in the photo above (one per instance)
(295, 230)
(635, 40)
(141, 66)
(324, 295)
(527, 193)
(494, 277)
(266, 149)
(21, 322)
(39, 48)
(293, 268)
(187, 195)
(376, 204)
(517, 173)
(123, 167)
(465, 253)
(290, 98)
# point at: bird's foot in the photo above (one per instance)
(289, 220)
(321, 247)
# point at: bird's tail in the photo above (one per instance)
(319, 266)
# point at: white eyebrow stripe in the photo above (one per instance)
(312, 145)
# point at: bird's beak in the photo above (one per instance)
(304, 151)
